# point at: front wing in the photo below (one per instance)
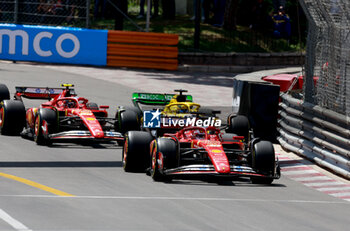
(85, 135)
(198, 171)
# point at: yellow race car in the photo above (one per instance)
(168, 113)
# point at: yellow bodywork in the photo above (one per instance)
(180, 109)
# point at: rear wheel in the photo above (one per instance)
(136, 110)
(239, 125)
(164, 156)
(263, 161)
(45, 123)
(136, 151)
(127, 121)
(12, 117)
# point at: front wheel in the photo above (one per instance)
(136, 150)
(263, 162)
(163, 156)
(45, 123)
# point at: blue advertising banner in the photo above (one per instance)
(53, 44)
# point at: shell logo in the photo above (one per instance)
(216, 151)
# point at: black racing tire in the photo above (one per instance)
(263, 161)
(12, 117)
(239, 125)
(164, 151)
(4, 92)
(48, 119)
(137, 110)
(92, 106)
(136, 149)
(127, 121)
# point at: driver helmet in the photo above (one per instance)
(69, 104)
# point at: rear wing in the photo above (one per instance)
(154, 98)
(40, 92)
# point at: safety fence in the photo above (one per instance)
(317, 126)
(46, 12)
(315, 133)
(328, 54)
(101, 14)
(142, 50)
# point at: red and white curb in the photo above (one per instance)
(297, 171)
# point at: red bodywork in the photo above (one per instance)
(67, 104)
(212, 145)
(285, 81)
(209, 140)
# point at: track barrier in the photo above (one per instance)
(88, 47)
(53, 44)
(142, 50)
(315, 133)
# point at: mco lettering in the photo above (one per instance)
(36, 43)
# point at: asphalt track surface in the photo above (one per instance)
(77, 187)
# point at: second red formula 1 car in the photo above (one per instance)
(200, 153)
(64, 118)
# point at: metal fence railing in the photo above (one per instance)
(328, 54)
(101, 14)
(318, 127)
(46, 12)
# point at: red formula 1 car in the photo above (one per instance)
(200, 153)
(64, 118)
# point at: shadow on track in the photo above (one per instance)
(61, 164)
(84, 146)
(237, 183)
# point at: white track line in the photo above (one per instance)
(176, 198)
(13, 222)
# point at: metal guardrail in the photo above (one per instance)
(315, 133)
